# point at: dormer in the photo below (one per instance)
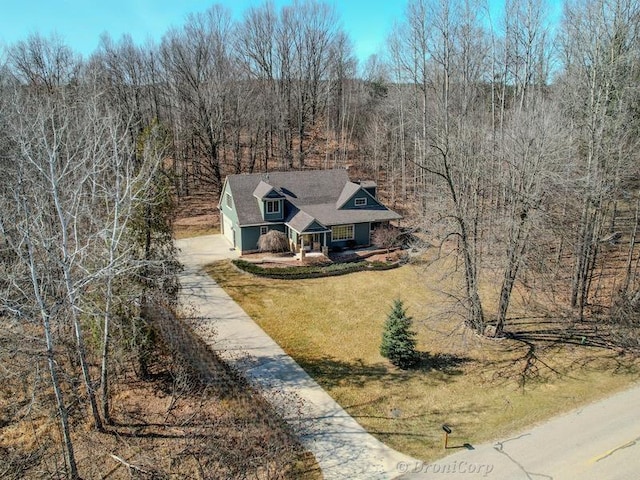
(370, 186)
(270, 201)
(357, 196)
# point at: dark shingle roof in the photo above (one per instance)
(300, 220)
(348, 191)
(262, 190)
(312, 194)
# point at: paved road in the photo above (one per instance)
(600, 441)
(343, 449)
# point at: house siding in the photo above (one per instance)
(293, 237)
(361, 236)
(271, 217)
(231, 214)
(362, 233)
(249, 236)
(372, 203)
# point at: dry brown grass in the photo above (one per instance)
(171, 425)
(197, 215)
(483, 388)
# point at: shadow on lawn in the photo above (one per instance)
(331, 372)
(534, 345)
(442, 362)
(587, 333)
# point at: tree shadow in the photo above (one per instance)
(442, 362)
(539, 340)
(331, 372)
(558, 332)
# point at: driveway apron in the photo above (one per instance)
(343, 449)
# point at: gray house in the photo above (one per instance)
(316, 209)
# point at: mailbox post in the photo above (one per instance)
(447, 431)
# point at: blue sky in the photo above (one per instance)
(80, 22)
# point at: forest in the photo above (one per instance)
(510, 143)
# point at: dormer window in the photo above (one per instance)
(272, 206)
(361, 202)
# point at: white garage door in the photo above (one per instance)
(227, 227)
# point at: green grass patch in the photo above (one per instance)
(485, 389)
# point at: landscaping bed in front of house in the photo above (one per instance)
(285, 267)
(298, 272)
(483, 388)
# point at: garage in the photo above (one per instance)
(227, 229)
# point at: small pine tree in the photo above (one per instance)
(398, 340)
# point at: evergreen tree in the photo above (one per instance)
(398, 340)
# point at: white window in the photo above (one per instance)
(229, 201)
(342, 232)
(273, 206)
(361, 202)
(264, 229)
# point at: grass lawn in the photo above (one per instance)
(332, 327)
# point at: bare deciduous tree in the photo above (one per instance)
(442, 51)
(46, 63)
(198, 66)
(600, 51)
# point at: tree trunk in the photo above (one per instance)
(629, 274)
(516, 250)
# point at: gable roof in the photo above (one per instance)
(300, 221)
(348, 191)
(311, 195)
(264, 190)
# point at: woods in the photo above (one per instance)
(510, 143)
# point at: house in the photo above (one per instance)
(317, 210)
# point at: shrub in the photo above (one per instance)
(273, 241)
(386, 236)
(398, 340)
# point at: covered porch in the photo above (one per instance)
(306, 234)
(309, 241)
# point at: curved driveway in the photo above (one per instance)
(598, 441)
(343, 449)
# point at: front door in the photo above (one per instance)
(306, 241)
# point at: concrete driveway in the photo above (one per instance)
(199, 251)
(343, 449)
(598, 441)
